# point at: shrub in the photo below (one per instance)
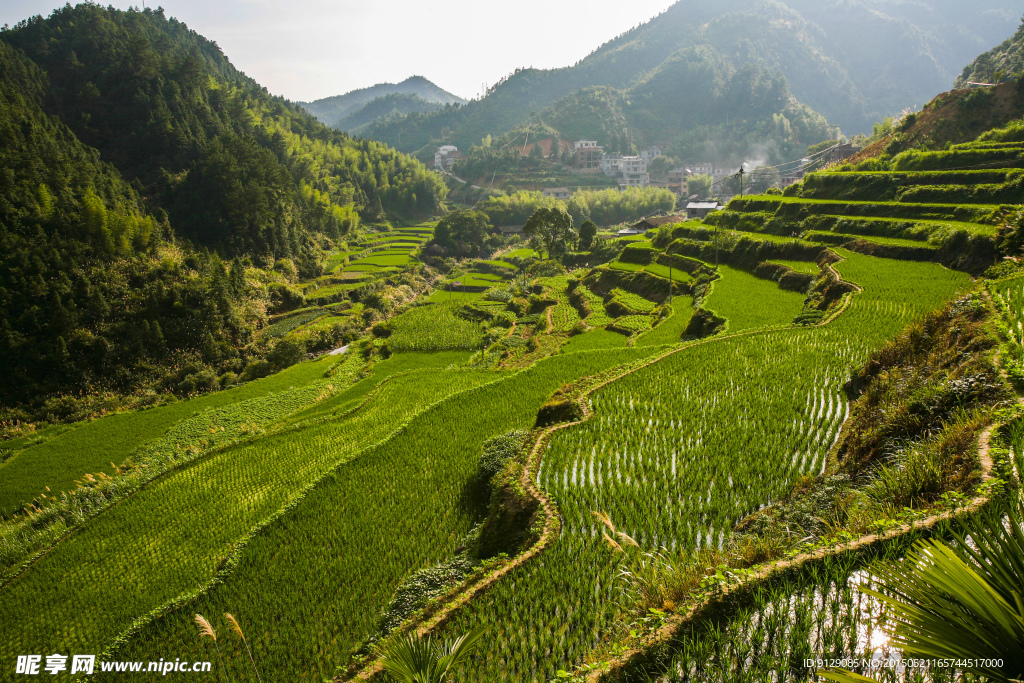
(287, 352)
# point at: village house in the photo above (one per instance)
(842, 152)
(446, 156)
(587, 156)
(557, 192)
(700, 168)
(650, 153)
(700, 209)
(631, 171)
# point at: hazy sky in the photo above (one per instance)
(317, 48)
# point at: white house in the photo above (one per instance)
(446, 156)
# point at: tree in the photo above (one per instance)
(463, 231)
(587, 233)
(555, 149)
(537, 152)
(420, 660)
(552, 229)
(699, 185)
(578, 208)
(760, 179)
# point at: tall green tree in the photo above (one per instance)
(462, 232)
(588, 230)
(552, 229)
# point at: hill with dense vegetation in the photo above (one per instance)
(148, 189)
(1002, 63)
(384, 100)
(710, 65)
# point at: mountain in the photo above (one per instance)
(146, 191)
(854, 61)
(390, 106)
(333, 110)
(1002, 63)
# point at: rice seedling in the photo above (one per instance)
(798, 266)
(399, 506)
(434, 327)
(166, 540)
(679, 451)
(748, 302)
(92, 447)
(670, 329)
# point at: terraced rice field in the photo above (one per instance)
(434, 327)
(205, 508)
(798, 266)
(749, 302)
(676, 453)
(395, 507)
(93, 446)
(670, 330)
(680, 276)
(626, 267)
(840, 238)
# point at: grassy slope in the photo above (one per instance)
(343, 551)
(93, 446)
(170, 537)
(956, 116)
(670, 330)
(749, 302)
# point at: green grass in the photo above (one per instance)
(91, 448)
(170, 537)
(748, 302)
(627, 267)
(670, 330)
(675, 454)
(434, 327)
(798, 266)
(594, 339)
(396, 507)
(680, 276)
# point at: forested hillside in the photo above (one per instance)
(1002, 63)
(854, 62)
(415, 93)
(137, 164)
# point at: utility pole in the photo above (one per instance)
(741, 182)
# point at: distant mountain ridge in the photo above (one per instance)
(854, 61)
(340, 111)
